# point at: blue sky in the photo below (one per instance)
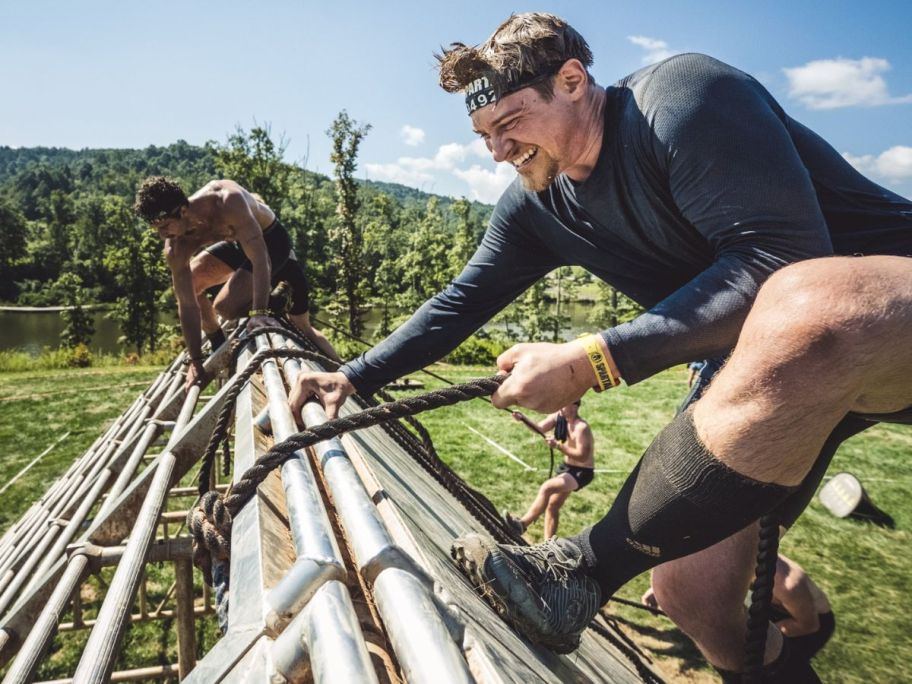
(130, 74)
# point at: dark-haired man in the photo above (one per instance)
(572, 437)
(223, 235)
(685, 186)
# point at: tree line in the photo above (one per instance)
(68, 237)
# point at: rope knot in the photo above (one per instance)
(210, 524)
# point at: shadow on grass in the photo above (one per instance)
(663, 639)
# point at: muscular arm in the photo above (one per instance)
(735, 175)
(250, 238)
(507, 262)
(178, 257)
(580, 447)
(548, 423)
(792, 591)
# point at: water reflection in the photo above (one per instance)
(31, 331)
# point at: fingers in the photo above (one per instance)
(304, 388)
(507, 360)
(330, 389)
(331, 404)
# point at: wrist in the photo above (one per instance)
(601, 365)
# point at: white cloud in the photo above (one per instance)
(656, 50)
(832, 83)
(411, 136)
(395, 173)
(894, 164)
(485, 184)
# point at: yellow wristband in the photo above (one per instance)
(599, 364)
(259, 312)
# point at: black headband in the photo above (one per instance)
(481, 92)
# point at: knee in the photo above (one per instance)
(554, 505)
(226, 310)
(812, 314)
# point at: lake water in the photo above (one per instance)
(31, 331)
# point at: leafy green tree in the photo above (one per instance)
(346, 236)
(535, 320)
(425, 263)
(612, 308)
(381, 247)
(465, 238)
(12, 246)
(140, 274)
(255, 161)
(78, 324)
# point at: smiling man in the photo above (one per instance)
(685, 186)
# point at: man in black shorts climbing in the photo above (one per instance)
(688, 188)
(225, 236)
(572, 437)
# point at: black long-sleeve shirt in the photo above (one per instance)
(703, 187)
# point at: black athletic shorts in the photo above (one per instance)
(278, 246)
(284, 264)
(583, 476)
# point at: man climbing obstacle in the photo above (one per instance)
(685, 186)
(223, 235)
(572, 437)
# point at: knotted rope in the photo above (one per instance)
(210, 521)
(761, 598)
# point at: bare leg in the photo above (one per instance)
(552, 512)
(302, 321)
(208, 271)
(839, 326)
(704, 595)
(233, 301)
(556, 485)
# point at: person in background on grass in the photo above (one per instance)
(223, 236)
(800, 609)
(573, 438)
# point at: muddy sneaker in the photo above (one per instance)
(543, 590)
(515, 525)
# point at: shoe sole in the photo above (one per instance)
(471, 552)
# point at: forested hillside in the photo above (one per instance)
(68, 234)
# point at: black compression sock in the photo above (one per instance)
(678, 500)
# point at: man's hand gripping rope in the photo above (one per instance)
(210, 521)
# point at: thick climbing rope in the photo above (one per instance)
(210, 521)
(761, 599)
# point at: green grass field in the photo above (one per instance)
(864, 569)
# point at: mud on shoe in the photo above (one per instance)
(515, 525)
(543, 591)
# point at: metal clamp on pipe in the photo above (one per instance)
(297, 587)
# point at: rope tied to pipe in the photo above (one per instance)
(210, 521)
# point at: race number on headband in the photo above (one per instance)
(481, 92)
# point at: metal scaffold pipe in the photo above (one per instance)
(317, 554)
(101, 650)
(403, 598)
